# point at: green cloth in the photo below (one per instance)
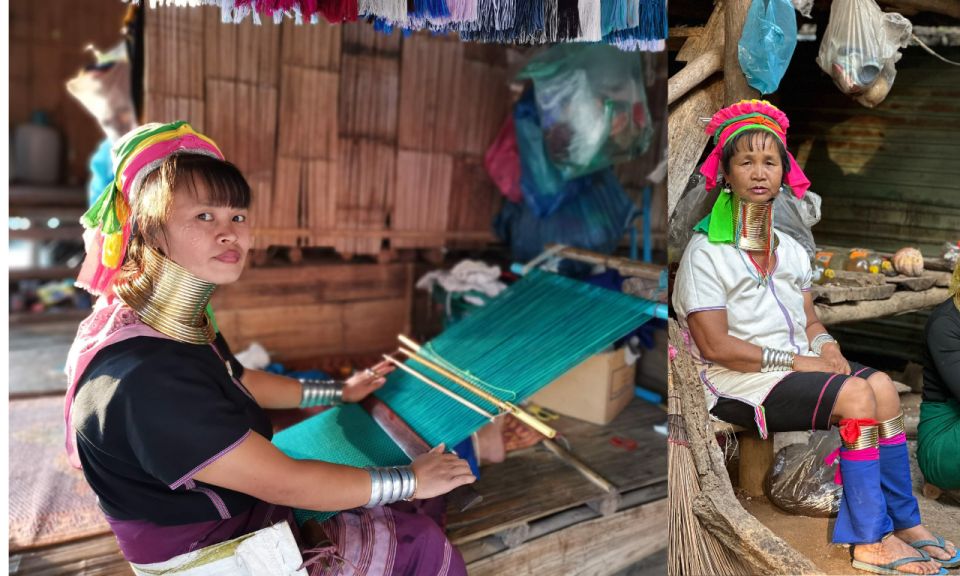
(938, 443)
(718, 224)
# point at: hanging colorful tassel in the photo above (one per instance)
(590, 20)
(528, 25)
(614, 15)
(338, 11)
(463, 10)
(568, 20)
(428, 9)
(549, 22)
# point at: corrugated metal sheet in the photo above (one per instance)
(889, 176)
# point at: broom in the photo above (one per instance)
(693, 551)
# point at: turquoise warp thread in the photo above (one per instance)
(531, 334)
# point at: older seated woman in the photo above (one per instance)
(765, 360)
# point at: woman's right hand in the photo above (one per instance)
(438, 473)
(812, 364)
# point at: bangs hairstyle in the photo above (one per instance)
(755, 138)
(219, 182)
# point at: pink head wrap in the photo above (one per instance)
(750, 115)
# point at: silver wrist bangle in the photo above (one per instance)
(821, 340)
(391, 484)
(320, 392)
(773, 360)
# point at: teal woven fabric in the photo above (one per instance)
(534, 332)
(342, 435)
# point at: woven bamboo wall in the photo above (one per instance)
(46, 49)
(347, 136)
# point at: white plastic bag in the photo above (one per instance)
(860, 47)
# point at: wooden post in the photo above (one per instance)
(735, 87)
(756, 457)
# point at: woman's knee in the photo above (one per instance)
(885, 392)
(856, 400)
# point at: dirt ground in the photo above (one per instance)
(811, 536)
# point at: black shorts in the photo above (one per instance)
(801, 401)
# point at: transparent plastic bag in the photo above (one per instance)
(694, 204)
(502, 161)
(795, 216)
(596, 218)
(860, 47)
(543, 187)
(800, 483)
(592, 105)
(767, 43)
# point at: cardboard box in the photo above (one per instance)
(596, 390)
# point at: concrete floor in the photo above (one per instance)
(38, 353)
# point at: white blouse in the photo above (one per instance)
(718, 277)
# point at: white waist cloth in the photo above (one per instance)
(267, 552)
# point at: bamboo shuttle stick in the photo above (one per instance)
(438, 387)
(521, 415)
(588, 472)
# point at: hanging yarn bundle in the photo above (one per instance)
(631, 25)
(529, 335)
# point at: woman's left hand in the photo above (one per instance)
(831, 353)
(362, 384)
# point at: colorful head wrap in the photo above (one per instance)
(109, 223)
(725, 124)
(750, 115)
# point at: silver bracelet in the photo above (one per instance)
(820, 340)
(391, 484)
(773, 360)
(320, 392)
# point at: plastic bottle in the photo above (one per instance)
(36, 151)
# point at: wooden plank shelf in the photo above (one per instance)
(52, 273)
(29, 195)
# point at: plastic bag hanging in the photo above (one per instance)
(767, 44)
(592, 105)
(860, 47)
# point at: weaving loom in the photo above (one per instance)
(538, 329)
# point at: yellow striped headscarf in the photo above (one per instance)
(109, 221)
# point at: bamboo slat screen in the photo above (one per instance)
(348, 137)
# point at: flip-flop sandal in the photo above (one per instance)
(941, 544)
(891, 567)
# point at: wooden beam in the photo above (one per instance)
(946, 7)
(600, 546)
(687, 138)
(735, 87)
(711, 38)
(693, 74)
(900, 303)
(685, 31)
(685, 135)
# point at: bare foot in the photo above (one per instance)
(490, 449)
(920, 532)
(891, 549)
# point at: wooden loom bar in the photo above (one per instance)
(624, 265)
(438, 387)
(521, 415)
(588, 472)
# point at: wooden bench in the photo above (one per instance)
(756, 455)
